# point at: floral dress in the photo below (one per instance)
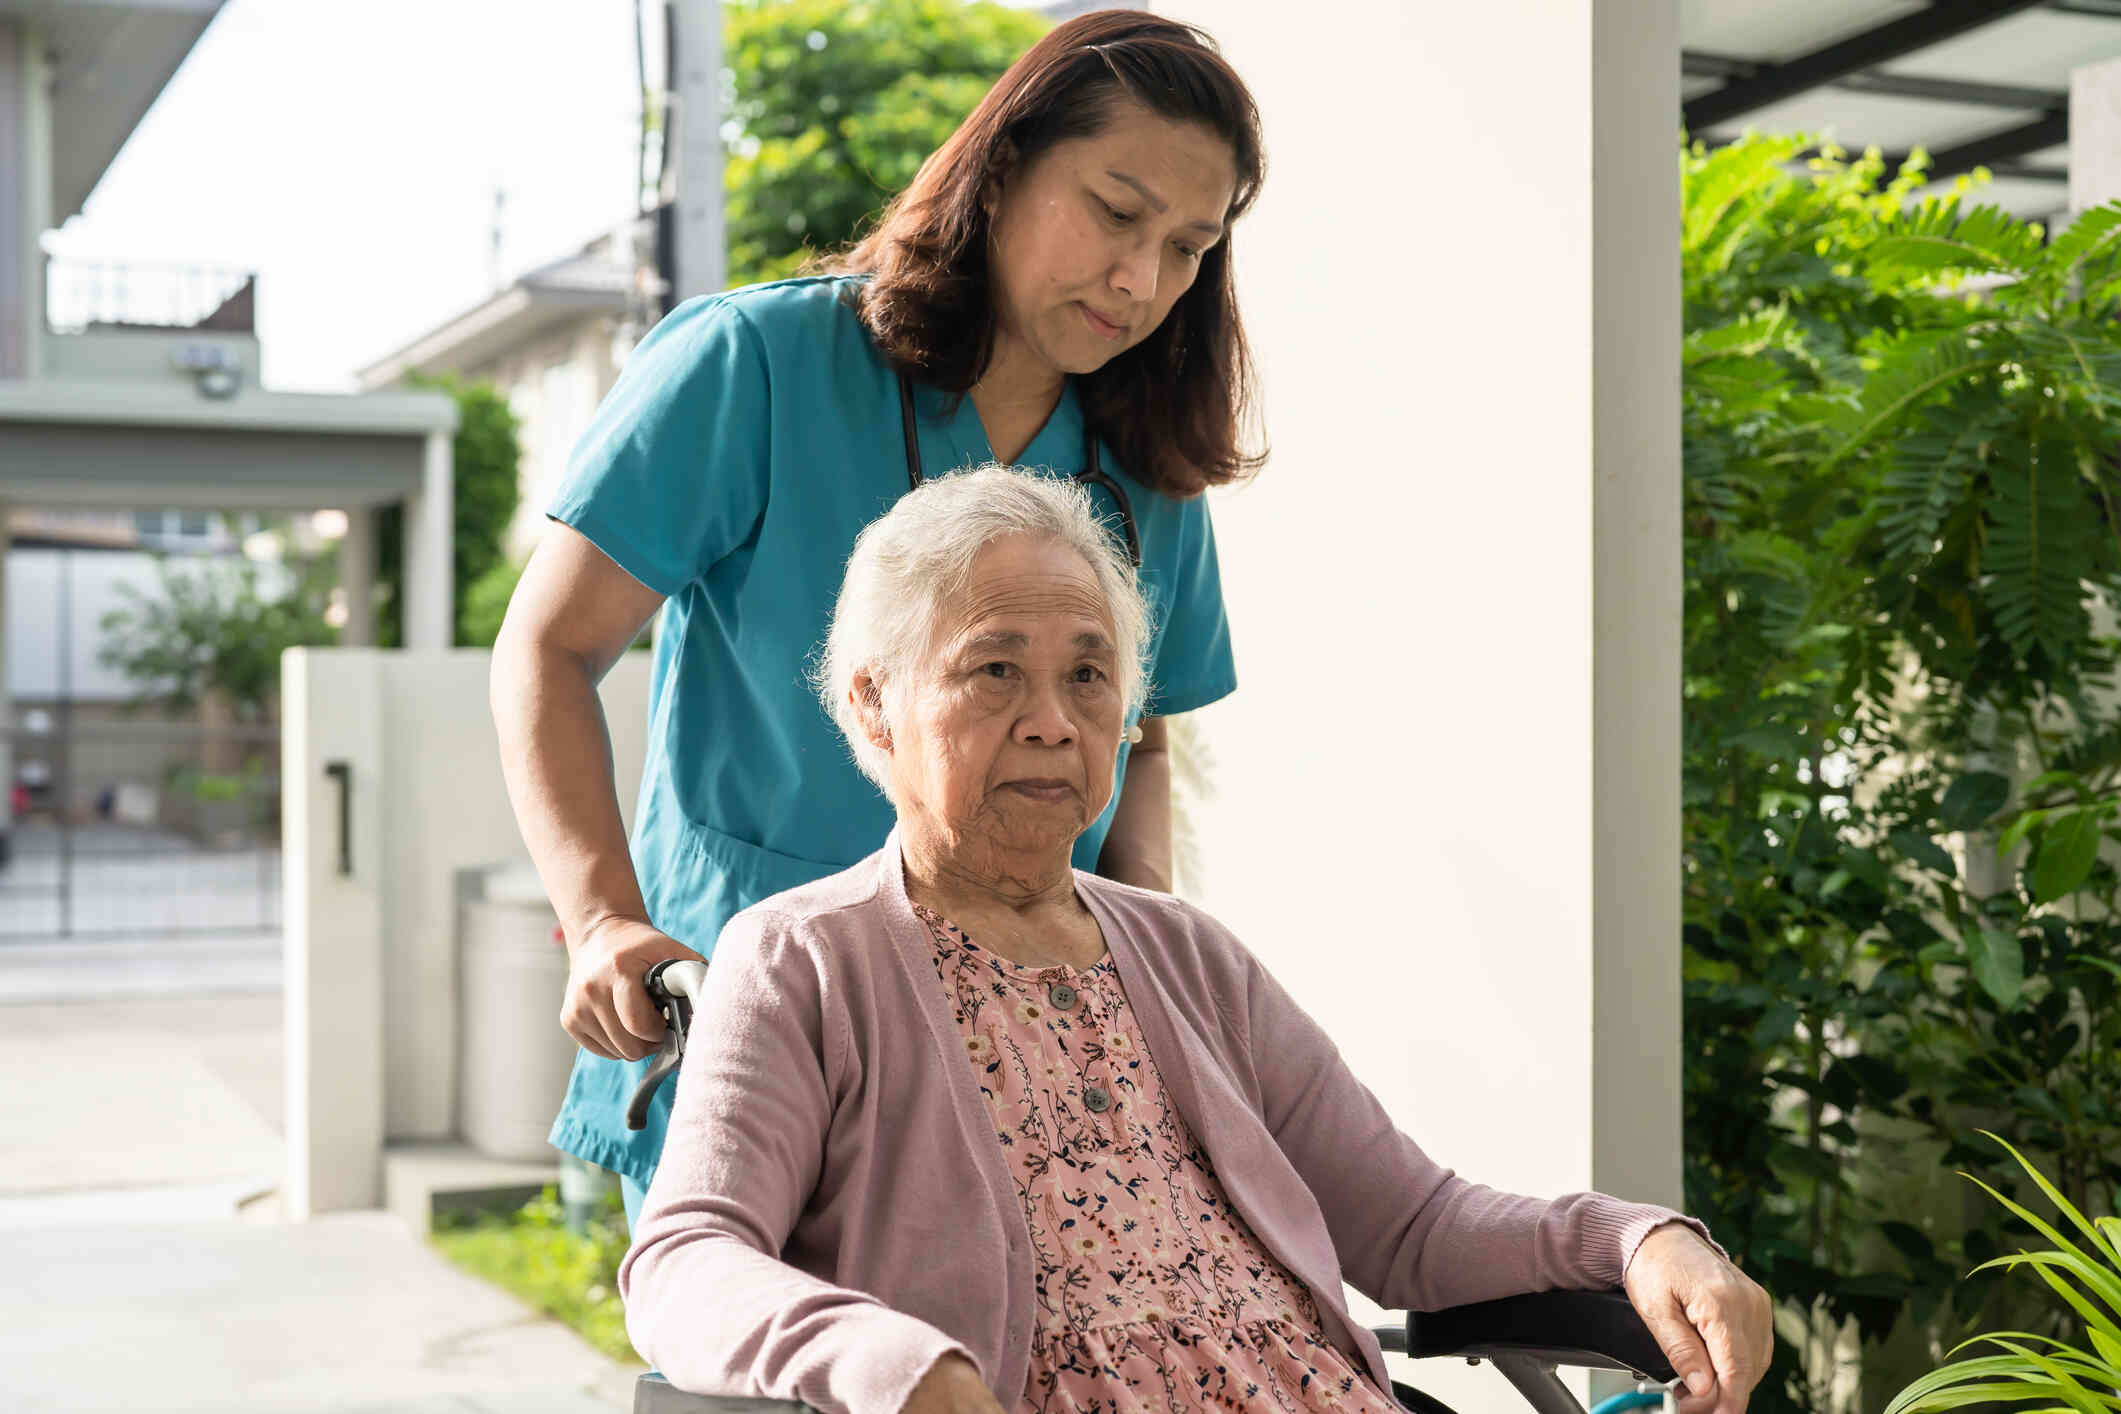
(1153, 1293)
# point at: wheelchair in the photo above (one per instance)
(1526, 1338)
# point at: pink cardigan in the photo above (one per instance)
(832, 1212)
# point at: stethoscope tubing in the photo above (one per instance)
(1092, 474)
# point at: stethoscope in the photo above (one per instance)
(1092, 474)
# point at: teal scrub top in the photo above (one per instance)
(750, 438)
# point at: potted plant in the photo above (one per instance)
(2053, 1372)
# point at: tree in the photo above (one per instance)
(488, 454)
(212, 632)
(832, 107)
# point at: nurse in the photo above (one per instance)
(1052, 291)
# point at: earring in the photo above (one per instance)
(1134, 735)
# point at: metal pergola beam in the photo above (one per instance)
(1980, 95)
(1700, 64)
(1933, 24)
(1996, 149)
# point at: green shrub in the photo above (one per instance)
(1902, 742)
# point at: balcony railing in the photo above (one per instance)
(81, 295)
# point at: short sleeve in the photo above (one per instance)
(672, 473)
(1193, 662)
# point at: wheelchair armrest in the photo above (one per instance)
(1589, 1329)
(652, 1394)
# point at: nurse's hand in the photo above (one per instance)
(608, 1010)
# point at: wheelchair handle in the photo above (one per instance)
(673, 985)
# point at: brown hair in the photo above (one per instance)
(1173, 406)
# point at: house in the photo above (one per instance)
(552, 342)
(134, 388)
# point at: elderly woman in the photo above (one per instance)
(964, 1128)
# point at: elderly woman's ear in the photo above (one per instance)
(867, 695)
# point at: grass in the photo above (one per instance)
(531, 1255)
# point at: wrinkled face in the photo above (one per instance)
(1097, 237)
(1002, 741)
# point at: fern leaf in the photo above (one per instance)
(1914, 369)
(1719, 182)
(2039, 554)
(1935, 239)
(1744, 338)
(2081, 356)
(2093, 235)
(1931, 470)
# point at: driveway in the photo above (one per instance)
(146, 1266)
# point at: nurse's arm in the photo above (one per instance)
(574, 612)
(1138, 849)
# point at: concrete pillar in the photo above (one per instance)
(357, 577)
(333, 861)
(2094, 135)
(1448, 783)
(430, 607)
(16, 237)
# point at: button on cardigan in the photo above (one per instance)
(833, 1212)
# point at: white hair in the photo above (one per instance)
(908, 562)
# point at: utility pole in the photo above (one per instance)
(689, 250)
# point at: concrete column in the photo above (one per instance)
(2094, 135)
(430, 608)
(1448, 783)
(332, 715)
(357, 577)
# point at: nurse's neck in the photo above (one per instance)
(1015, 396)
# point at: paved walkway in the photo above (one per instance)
(144, 1265)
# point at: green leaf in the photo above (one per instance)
(2014, 834)
(2095, 233)
(1913, 370)
(1998, 963)
(1972, 799)
(1776, 1025)
(2104, 1245)
(2068, 850)
(1912, 1241)
(2040, 552)
(1924, 851)
(1773, 740)
(2098, 1324)
(1936, 239)
(2073, 1393)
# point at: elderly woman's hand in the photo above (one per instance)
(951, 1386)
(1713, 1322)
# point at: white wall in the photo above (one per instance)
(371, 980)
(146, 353)
(38, 614)
(1448, 812)
(2095, 132)
(94, 583)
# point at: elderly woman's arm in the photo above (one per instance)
(1138, 849)
(1410, 1233)
(708, 1300)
